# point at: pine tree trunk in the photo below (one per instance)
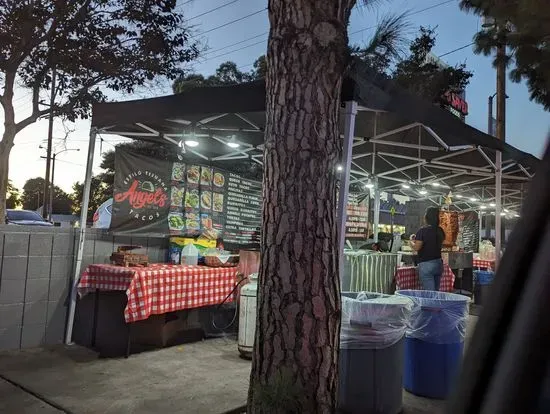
(295, 360)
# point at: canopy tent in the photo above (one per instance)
(398, 137)
(389, 136)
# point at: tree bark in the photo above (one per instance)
(295, 359)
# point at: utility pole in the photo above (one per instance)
(501, 135)
(490, 129)
(45, 208)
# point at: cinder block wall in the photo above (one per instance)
(36, 269)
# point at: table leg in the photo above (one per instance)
(129, 340)
(96, 312)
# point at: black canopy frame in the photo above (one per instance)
(391, 140)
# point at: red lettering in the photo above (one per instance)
(140, 199)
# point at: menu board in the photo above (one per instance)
(242, 221)
(198, 200)
(357, 220)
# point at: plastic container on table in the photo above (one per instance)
(190, 255)
(483, 282)
(371, 352)
(434, 342)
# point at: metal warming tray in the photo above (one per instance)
(459, 260)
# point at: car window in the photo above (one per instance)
(19, 215)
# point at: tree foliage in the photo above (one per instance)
(14, 196)
(424, 77)
(94, 46)
(33, 193)
(386, 46)
(524, 26)
(226, 74)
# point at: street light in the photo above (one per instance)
(54, 155)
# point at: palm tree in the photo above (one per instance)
(387, 45)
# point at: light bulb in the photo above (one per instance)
(192, 143)
(423, 191)
(405, 185)
(435, 184)
(458, 196)
(483, 207)
(369, 184)
(473, 199)
(232, 143)
(339, 168)
(493, 205)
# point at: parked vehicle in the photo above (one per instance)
(26, 218)
(102, 216)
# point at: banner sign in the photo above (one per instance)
(155, 196)
(141, 193)
(357, 220)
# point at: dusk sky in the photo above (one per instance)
(527, 123)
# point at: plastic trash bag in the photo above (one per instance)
(437, 317)
(373, 320)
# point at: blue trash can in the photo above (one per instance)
(434, 342)
(483, 281)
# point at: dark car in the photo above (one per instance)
(26, 218)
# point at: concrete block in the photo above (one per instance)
(14, 268)
(63, 244)
(39, 267)
(12, 291)
(55, 323)
(11, 315)
(55, 333)
(35, 313)
(10, 337)
(17, 244)
(61, 266)
(41, 244)
(33, 336)
(103, 250)
(59, 289)
(37, 290)
(89, 246)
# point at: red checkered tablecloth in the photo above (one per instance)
(159, 288)
(407, 278)
(484, 264)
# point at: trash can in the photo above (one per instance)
(371, 352)
(483, 282)
(434, 342)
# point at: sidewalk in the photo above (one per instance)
(205, 377)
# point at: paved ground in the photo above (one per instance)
(204, 377)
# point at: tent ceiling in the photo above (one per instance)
(399, 138)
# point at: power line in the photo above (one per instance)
(425, 9)
(234, 51)
(457, 49)
(235, 44)
(433, 6)
(213, 10)
(234, 21)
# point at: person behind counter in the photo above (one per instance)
(427, 242)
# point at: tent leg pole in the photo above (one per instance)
(498, 209)
(350, 112)
(376, 210)
(81, 236)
